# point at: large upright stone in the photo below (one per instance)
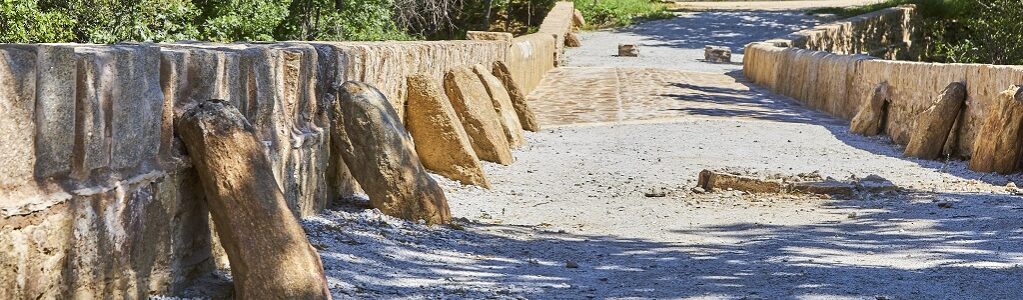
(518, 98)
(503, 105)
(933, 126)
(270, 256)
(869, 120)
(381, 156)
(441, 142)
(997, 147)
(479, 118)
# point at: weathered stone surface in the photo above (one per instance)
(528, 59)
(934, 125)
(489, 36)
(503, 105)
(628, 50)
(577, 19)
(999, 142)
(827, 187)
(381, 156)
(717, 54)
(441, 142)
(479, 118)
(273, 259)
(572, 40)
(871, 117)
(120, 106)
(711, 180)
(518, 98)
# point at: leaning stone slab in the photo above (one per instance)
(441, 142)
(502, 103)
(933, 126)
(711, 180)
(381, 156)
(872, 114)
(572, 40)
(479, 118)
(998, 144)
(827, 187)
(268, 250)
(518, 97)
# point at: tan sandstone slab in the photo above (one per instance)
(382, 158)
(268, 249)
(474, 108)
(933, 126)
(518, 98)
(441, 142)
(503, 105)
(872, 114)
(997, 147)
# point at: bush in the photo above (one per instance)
(963, 31)
(612, 13)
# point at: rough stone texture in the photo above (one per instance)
(558, 23)
(385, 65)
(999, 143)
(382, 157)
(934, 125)
(711, 180)
(717, 54)
(441, 142)
(871, 118)
(628, 50)
(577, 19)
(273, 259)
(518, 97)
(530, 58)
(479, 118)
(489, 36)
(572, 40)
(503, 105)
(827, 187)
(97, 200)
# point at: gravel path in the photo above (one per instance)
(570, 219)
(678, 43)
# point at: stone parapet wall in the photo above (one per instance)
(892, 33)
(98, 198)
(837, 82)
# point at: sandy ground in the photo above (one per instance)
(570, 219)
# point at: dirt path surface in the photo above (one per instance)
(678, 43)
(572, 218)
(767, 5)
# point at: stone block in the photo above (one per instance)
(441, 142)
(474, 108)
(717, 54)
(628, 50)
(503, 105)
(489, 36)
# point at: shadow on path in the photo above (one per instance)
(733, 29)
(973, 245)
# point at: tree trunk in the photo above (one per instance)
(269, 254)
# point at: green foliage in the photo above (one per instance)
(111, 21)
(24, 22)
(963, 31)
(612, 13)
